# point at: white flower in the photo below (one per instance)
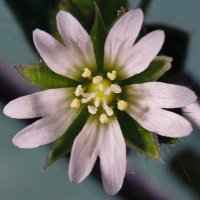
(101, 136)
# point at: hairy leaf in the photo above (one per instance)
(40, 75)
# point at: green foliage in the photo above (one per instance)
(156, 69)
(137, 137)
(109, 10)
(32, 14)
(98, 36)
(40, 75)
(83, 11)
(63, 144)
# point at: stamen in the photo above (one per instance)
(122, 105)
(79, 91)
(87, 73)
(88, 97)
(104, 118)
(92, 110)
(107, 91)
(100, 86)
(109, 110)
(97, 79)
(96, 102)
(116, 88)
(112, 75)
(75, 103)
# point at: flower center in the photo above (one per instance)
(102, 90)
(101, 95)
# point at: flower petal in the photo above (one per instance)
(73, 34)
(161, 95)
(45, 130)
(58, 58)
(160, 121)
(192, 111)
(123, 34)
(112, 157)
(136, 59)
(39, 104)
(84, 152)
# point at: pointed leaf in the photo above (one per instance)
(137, 137)
(110, 10)
(82, 10)
(40, 75)
(63, 144)
(98, 36)
(156, 69)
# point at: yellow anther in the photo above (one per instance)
(92, 110)
(96, 102)
(122, 105)
(112, 75)
(109, 110)
(116, 88)
(97, 79)
(79, 91)
(87, 97)
(104, 118)
(75, 103)
(87, 73)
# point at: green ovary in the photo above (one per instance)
(100, 90)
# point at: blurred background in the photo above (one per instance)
(177, 176)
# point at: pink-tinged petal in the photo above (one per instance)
(136, 59)
(122, 35)
(160, 121)
(39, 104)
(161, 95)
(112, 157)
(192, 111)
(45, 130)
(84, 152)
(58, 58)
(74, 35)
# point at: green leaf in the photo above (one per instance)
(98, 36)
(30, 15)
(82, 10)
(85, 5)
(110, 8)
(137, 137)
(156, 69)
(63, 144)
(40, 75)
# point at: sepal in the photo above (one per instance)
(137, 137)
(154, 71)
(41, 76)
